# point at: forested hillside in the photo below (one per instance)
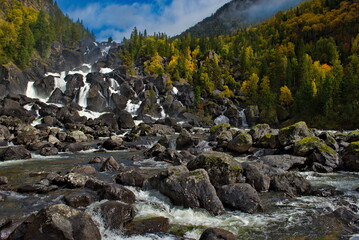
(28, 28)
(300, 64)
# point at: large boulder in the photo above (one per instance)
(184, 140)
(130, 177)
(240, 196)
(71, 180)
(80, 199)
(318, 152)
(291, 183)
(76, 137)
(217, 234)
(110, 165)
(5, 134)
(95, 100)
(222, 168)
(116, 192)
(73, 84)
(116, 214)
(45, 86)
(58, 222)
(49, 151)
(145, 226)
(284, 162)
(119, 101)
(241, 143)
(293, 133)
(351, 157)
(189, 189)
(15, 153)
(58, 97)
(125, 120)
(111, 144)
(259, 131)
(257, 175)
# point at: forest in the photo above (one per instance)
(301, 64)
(26, 33)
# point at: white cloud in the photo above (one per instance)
(118, 20)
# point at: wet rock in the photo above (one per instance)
(119, 101)
(125, 120)
(110, 165)
(161, 83)
(58, 222)
(184, 140)
(259, 131)
(189, 189)
(116, 214)
(216, 234)
(3, 180)
(317, 151)
(73, 147)
(130, 177)
(4, 133)
(161, 130)
(97, 159)
(110, 144)
(45, 86)
(269, 140)
(293, 133)
(26, 136)
(49, 151)
(145, 226)
(241, 143)
(221, 167)
(240, 196)
(284, 162)
(127, 91)
(85, 170)
(256, 176)
(80, 199)
(37, 188)
(217, 129)
(351, 157)
(15, 153)
(58, 97)
(173, 157)
(347, 216)
(71, 180)
(156, 150)
(116, 192)
(224, 138)
(291, 183)
(76, 137)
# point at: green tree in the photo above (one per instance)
(26, 46)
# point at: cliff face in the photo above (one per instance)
(44, 5)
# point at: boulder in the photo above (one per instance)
(241, 143)
(58, 222)
(184, 140)
(45, 86)
(174, 157)
(269, 140)
(110, 165)
(110, 144)
(15, 153)
(145, 226)
(161, 83)
(115, 214)
(256, 176)
(73, 147)
(351, 157)
(85, 170)
(217, 129)
(4, 133)
(127, 91)
(125, 120)
(95, 100)
(293, 133)
(97, 159)
(58, 97)
(80, 199)
(189, 189)
(222, 168)
(284, 162)
(217, 234)
(130, 177)
(116, 192)
(71, 180)
(76, 137)
(156, 150)
(291, 183)
(240, 196)
(26, 136)
(259, 131)
(318, 152)
(119, 101)
(37, 188)
(108, 120)
(49, 151)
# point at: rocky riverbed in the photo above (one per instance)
(166, 180)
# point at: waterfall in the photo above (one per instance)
(132, 107)
(83, 93)
(31, 92)
(243, 117)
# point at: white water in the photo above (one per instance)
(175, 90)
(243, 117)
(132, 108)
(31, 92)
(83, 93)
(106, 70)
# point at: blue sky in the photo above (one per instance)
(117, 18)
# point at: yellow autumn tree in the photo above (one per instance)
(154, 66)
(285, 96)
(227, 92)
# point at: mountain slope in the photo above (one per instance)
(239, 14)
